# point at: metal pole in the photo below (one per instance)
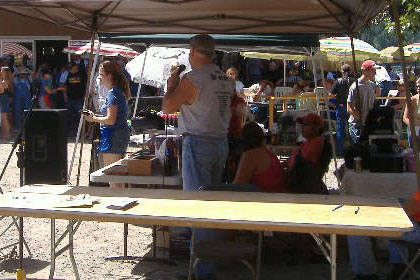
(315, 81)
(139, 88)
(414, 141)
(329, 121)
(79, 129)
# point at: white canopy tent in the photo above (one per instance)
(196, 16)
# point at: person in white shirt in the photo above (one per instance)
(233, 73)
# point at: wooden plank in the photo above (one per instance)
(231, 210)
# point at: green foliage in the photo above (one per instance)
(380, 33)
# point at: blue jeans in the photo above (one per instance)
(203, 160)
(21, 102)
(362, 258)
(342, 118)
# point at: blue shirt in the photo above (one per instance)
(116, 97)
(45, 83)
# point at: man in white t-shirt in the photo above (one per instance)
(361, 99)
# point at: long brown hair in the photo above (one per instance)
(118, 78)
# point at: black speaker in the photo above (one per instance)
(45, 149)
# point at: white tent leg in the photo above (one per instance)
(315, 81)
(329, 121)
(139, 89)
(79, 128)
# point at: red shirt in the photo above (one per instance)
(235, 125)
(311, 151)
(271, 179)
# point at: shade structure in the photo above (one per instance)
(11, 48)
(106, 49)
(198, 16)
(339, 48)
(153, 66)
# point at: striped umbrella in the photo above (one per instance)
(11, 48)
(412, 50)
(340, 47)
(106, 50)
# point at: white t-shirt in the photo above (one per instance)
(239, 86)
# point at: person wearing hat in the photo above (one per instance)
(202, 98)
(361, 99)
(21, 96)
(312, 128)
(340, 90)
(307, 164)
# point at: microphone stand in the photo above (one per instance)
(20, 273)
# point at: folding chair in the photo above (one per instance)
(410, 263)
(225, 250)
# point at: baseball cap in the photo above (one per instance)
(367, 64)
(311, 118)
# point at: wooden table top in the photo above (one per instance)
(228, 210)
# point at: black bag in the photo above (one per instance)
(305, 178)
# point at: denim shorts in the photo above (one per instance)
(4, 103)
(116, 142)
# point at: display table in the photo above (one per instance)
(230, 210)
(379, 185)
(156, 179)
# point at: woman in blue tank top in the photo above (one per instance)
(114, 132)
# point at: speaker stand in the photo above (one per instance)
(20, 162)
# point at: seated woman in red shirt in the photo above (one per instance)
(258, 166)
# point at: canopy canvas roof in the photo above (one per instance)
(197, 16)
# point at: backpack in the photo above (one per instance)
(305, 178)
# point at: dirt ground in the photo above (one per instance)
(95, 241)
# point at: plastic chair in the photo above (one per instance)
(225, 250)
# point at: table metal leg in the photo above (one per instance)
(191, 265)
(333, 242)
(72, 227)
(125, 240)
(259, 254)
(14, 223)
(154, 241)
(52, 267)
(71, 252)
(329, 249)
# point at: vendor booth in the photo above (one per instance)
(232, 17)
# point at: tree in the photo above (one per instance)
(380, 33)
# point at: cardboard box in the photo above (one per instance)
(116, 170)
(141, 165)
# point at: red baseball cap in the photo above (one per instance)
(311, 118)
(367, 64)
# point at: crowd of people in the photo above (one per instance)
(218, 146)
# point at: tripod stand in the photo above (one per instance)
(20, 163)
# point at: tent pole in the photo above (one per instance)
(82, 138)
(329, 119)
(139, 88)
(353, 54)
(284, 71)
(414, 141)
(89, 92)
(315, 82)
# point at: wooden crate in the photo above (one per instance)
(141, 165)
